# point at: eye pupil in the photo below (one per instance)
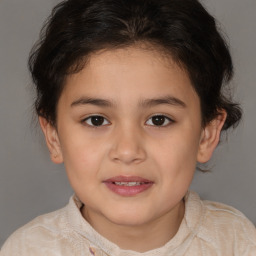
(97, 120)
(158, 120)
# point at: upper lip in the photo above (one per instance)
(127, 179)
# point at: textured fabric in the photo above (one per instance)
(207, 229)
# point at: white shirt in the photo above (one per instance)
(207, 229)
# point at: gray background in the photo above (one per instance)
(31, 185)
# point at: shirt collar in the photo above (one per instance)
(190, 225)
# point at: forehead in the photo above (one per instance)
(136, 72)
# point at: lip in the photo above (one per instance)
(127, 190)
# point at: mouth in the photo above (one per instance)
(128, 185)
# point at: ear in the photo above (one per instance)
(52, 140)
(210, 137)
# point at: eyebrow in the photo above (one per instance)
(92, 101)
(144, 103)
(168, 100)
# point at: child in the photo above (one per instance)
(130, 98)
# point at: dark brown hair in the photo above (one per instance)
(183, 28)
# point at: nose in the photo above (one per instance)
(127, 146)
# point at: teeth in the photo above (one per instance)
(130, 184)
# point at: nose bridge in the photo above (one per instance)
(127, 146)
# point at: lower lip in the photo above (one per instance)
(128, 190)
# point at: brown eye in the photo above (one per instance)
(96, 121)
(159, 120)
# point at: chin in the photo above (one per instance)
(129, 218)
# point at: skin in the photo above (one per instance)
(128, 143)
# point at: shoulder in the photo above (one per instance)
(45, 235)
(224, 216)
(225, 228)
(43, 228)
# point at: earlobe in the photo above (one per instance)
(210, 137)
(52, 140)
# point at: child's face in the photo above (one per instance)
(135, 94)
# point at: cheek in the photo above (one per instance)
(82, 156)
(176, 156)
(176, 170)
(181, 148)
(82, 166)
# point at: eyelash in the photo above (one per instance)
(84, 121)
(166, 119)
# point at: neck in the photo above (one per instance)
(140, 238)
